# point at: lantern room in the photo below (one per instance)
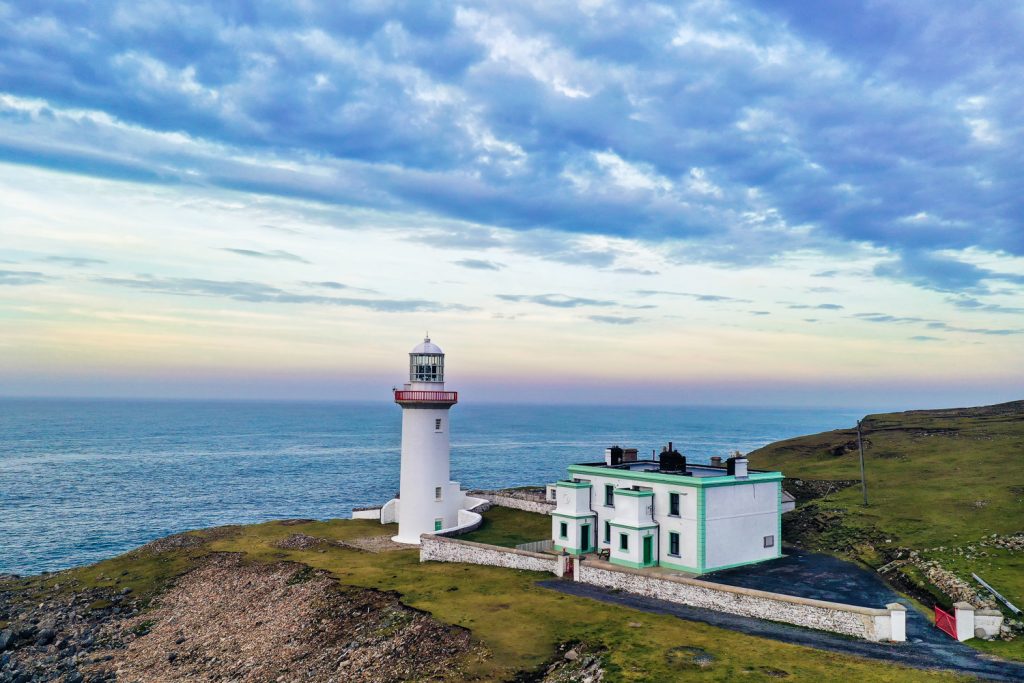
(426, 362)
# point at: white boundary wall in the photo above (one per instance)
(504, 501)
(441, 549)
(861, 622)
(888, 624)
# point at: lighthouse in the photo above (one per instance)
(428, 500)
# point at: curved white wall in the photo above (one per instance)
(425, 467)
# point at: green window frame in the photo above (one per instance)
(607, 532)
(623, 541)
(438, 524)
(673, 504)
(563, 530)
(673, 544)
(609, 495)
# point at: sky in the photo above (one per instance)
(717, 202)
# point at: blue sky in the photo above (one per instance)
(748, 201)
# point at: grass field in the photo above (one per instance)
(520, 623)
(939, 482)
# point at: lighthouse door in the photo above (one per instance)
(585, 538)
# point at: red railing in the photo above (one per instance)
(945, 621)
(428, 396)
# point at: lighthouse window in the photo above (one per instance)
(673, 504)
(563, 529)
(607, 532)
(437, 493)
(623, 542)
(437, 425)
(609, 495)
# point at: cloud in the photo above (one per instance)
(730, 131)
(275, 254)
(941, 273)
(478, 264)
(634, 271)
(934, 324)
(972, 304)
(16, 278)
(331, 284)
(924, 338)
(710, 298)
(822, 307)
(614, 319)
(76, 261)
(555, 300)
(255, 292)
(759, 312)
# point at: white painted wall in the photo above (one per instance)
(425, 466)
(737, 518)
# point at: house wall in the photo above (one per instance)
(737, 518)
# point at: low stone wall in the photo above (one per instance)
(508, 500)
(860, 622)
(366, 513)
(440, 549)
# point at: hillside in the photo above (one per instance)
(946, 498)
(299, 599)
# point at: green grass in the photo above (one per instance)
(520, 623)
(936, 479)
(507, 527)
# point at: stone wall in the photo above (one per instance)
(860, 622)
(509, 499)
(441, 549)
(366, 513)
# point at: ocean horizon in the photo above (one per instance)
(82, 479)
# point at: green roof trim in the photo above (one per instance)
(633, 528)
(562, 514)
(564, 483)
(633, 494)
(676, 479)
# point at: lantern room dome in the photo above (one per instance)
(427, 347)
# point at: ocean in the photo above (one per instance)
(82, 480)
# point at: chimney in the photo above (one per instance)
(629, 455)
(716, 460)
(737, 466)
(613, 456)
(671, 460)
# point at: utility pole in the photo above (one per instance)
(863, 480)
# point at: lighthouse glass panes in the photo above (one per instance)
(426, 367)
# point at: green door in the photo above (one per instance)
(585, 537)
(648, 549)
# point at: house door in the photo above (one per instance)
(585, 537)
(648, 549)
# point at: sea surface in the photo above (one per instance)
(82, 480)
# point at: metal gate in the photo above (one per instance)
(945, 621)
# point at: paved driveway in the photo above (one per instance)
(822, 577)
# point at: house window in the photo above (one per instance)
(623, 542)
(673, 504)
(437, 425)
(607, 532)
(563, 530)
(673, 544)
(609, 495)
(769, 541)
(438, 524)
(437, 493)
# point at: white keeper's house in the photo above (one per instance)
(663, 512)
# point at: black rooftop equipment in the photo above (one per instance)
(730, 466)
(616, 455)
(671, 460)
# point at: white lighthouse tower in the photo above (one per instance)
(428, 500)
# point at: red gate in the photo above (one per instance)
(945, 621)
